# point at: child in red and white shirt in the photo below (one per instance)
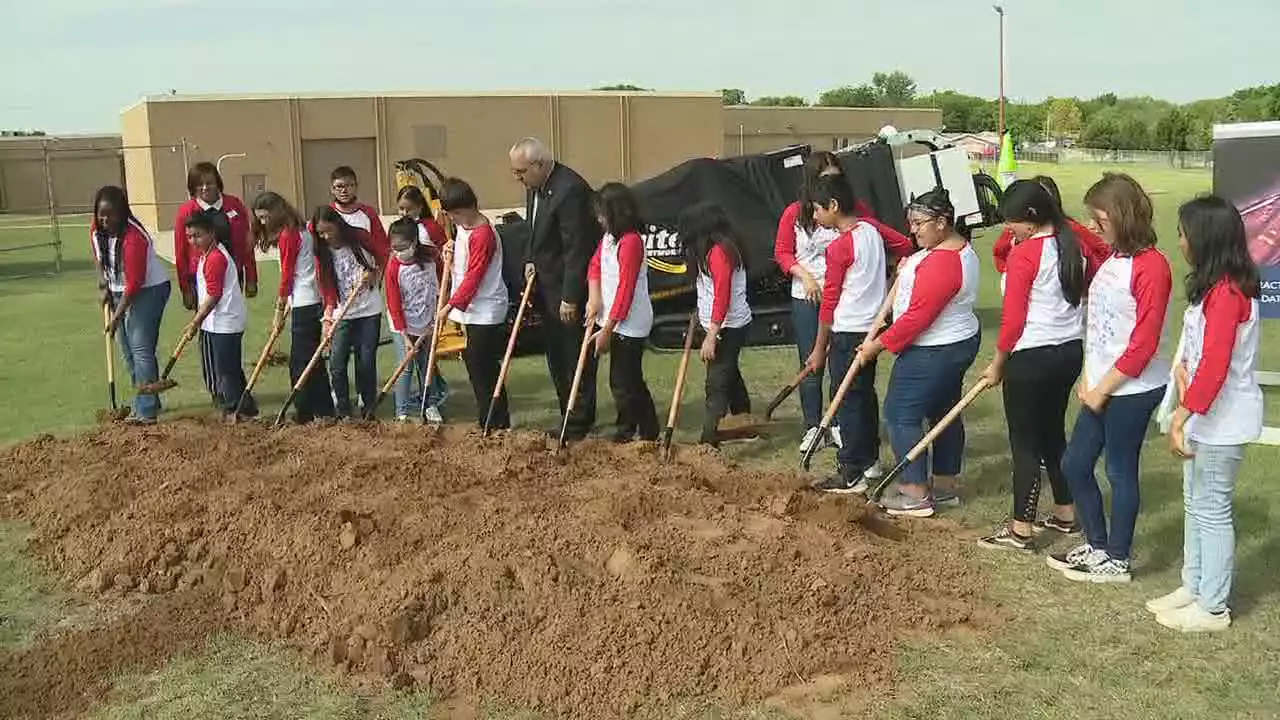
(478, 298)
(1124, 379)
(221, 313)
(618, 281)
(714, 252)
(413, 204)
(1095, 249)
(1220, 407)
(343, 186)
(853, 291)
(936, 336)
(412, 292)
(277, 224)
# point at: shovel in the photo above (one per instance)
(785, 393)
(263, 359)
(914, 453)
(664, 445)
(324, 345)
(164, 383)
(437, 323)
(409, 355)
(117, 413)
(577, 382)
(506, 358)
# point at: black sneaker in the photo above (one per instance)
(1055, 524)
(1006, 539)
(846, 481)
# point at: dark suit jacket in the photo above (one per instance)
(563, 238)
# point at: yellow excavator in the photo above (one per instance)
(428, 178)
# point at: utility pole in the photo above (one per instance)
(1000, 11)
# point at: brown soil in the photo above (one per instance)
(591, 583)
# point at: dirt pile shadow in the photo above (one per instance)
(588, 584)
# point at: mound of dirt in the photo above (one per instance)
(585, 584)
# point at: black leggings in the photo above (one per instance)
(1037, 385)
(631, 395)
(726, 391)
(315, 399)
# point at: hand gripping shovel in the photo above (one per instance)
(664, 445)
(410, 353)
(914, 453)
(263, 359)
(324, 345)
(577, 383)
(164, 383)
(437, 323)
(506, 358)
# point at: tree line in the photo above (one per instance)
(1107, 122)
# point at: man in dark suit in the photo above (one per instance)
(563, 237)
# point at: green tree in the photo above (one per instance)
(1173, 130)
(894, 89)
(960, 112)
(1102, 131)
(1025, 121)
(781, 101)
(849, 96)
(623, 88)
(1064, 118)
(1135, 134)
(733, 96)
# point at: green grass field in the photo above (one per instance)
(1067, 651)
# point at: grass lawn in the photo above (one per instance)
(1069, 651)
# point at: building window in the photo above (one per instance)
(429, 141)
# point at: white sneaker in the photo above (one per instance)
(1194, 619)
(402, 418)
(835, 436)
(1175, 600)
(1107, 571)
(432, 415)
(1080, 555)
(810, 437)
(874, 472)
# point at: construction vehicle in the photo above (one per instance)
(428, 178)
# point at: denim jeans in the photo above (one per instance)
(859, 413)
(804, 324)
(225, 364)
(315, 399)
(357, 337)
(927, 381)
(138, 335)
(1209, 539)
(408, 393)
(1118, 431)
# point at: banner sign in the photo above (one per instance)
(1246, 171)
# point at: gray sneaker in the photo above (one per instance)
(1081, 555)
(1107, 571)
(901, 504)
(943, 496)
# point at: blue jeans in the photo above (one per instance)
(1209, 538)
(138, 334)
(927, 381)
(228, 373)
(859, 414)
(358, 337)
(1118, 431)
(804, 324)
(408, 393)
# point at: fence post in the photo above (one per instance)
(53, 207)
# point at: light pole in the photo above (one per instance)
(1000, 11)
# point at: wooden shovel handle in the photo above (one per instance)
(328, 336)
(266, 350)
(515, 334)
(678, 391)
(578, 372)
(437, 323)
(854, 366)
(946, 420)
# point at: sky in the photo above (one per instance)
(73, 65)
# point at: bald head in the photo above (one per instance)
(531, 162)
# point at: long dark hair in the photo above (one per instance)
(814, 165)
(616, 204)
(408, 228)
(282, 214)
(416, 196)
(1028, 201)
(701, 227)
(1217, 246)
(115, 196)
(348, 236)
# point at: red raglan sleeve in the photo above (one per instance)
(1151, 286)
(1092, 246)
(593, 267)
(630, 265)
(328, 287)
(241, 242)
(182, 255)
(481, 250)
(215, 269)
(136, 251)
(1001, 250)
(899, 245)
(1022, 267)
(938, 278)
(395, 303)
(289, 244)
(721, 269)
(435, 233)
(1225, 308)
(381, 243)
(839, 257)
(784, 246)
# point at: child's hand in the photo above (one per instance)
(1178, 434)
(251, 289)
(817, 359)
(601, 339)
(189, 299)
(709, 347)
(1181, 379)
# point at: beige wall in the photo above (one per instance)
(750, 129)
(604, 136)
(78, 165)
